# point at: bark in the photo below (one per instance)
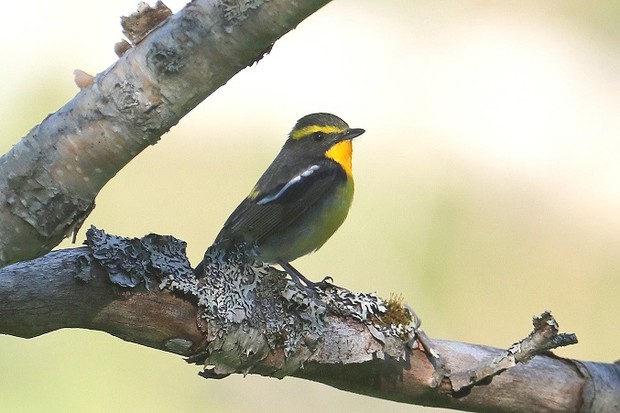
(49, 180)
(237, 316)
(241, 317)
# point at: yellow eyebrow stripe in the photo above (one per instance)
(309, 130)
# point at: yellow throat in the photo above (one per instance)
(341, 153)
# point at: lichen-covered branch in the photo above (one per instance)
(49, 180)
(70, 289)
(240, 317)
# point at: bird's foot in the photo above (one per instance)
(326, 282)
(303, 282)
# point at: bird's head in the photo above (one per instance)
(324, 135)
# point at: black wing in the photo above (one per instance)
(274, 210)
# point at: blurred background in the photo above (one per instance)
(487, 183)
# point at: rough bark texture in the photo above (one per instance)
(237, 317)
(49, 180)
(144, 291)
(69, 289)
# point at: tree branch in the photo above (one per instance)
(49, 180)
(237, 317)
(247, 318)
(69, 289)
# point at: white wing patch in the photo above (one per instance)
(290, 183)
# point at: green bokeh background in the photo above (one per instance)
(488, 182)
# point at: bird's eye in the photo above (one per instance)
(318, 136)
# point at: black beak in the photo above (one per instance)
(351, 133)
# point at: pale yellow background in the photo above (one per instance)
(488, 182)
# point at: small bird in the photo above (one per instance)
(301, 199)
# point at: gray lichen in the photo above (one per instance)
(237, 10)
(253, 310)
(248, 315)
(254, 318)
(131, 261)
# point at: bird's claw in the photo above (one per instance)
(304, 283)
